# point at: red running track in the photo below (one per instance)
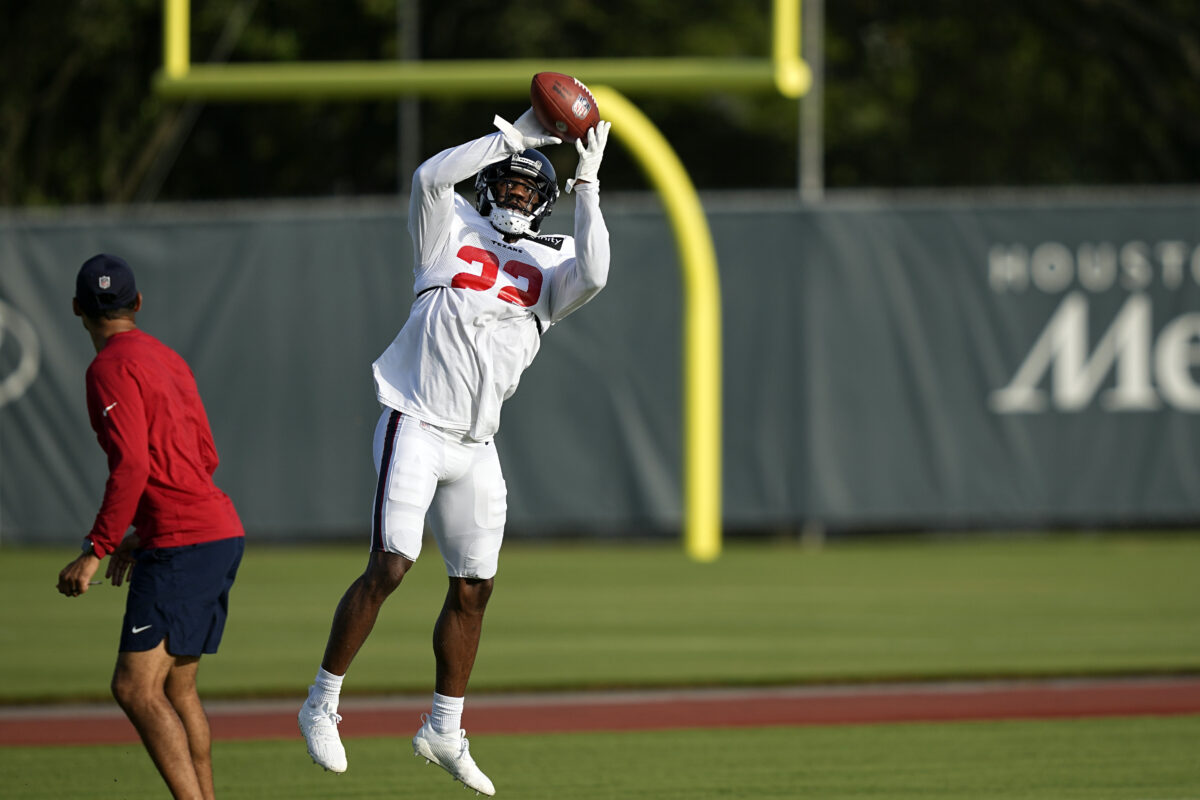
(649, 710)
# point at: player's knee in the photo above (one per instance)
(472, 594)
(379, 585)
(126, 689)
(384, 573)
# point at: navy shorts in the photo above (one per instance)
(181, 594)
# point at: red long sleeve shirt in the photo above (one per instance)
(148, 417)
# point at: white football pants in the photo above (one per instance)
(425, 470)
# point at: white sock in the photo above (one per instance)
(446, 716)
(326, 690)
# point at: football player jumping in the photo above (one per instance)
(488, 285)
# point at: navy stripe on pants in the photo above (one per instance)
(381, 488)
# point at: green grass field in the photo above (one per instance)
(591, 615)
(605, 615)
(1110, 759)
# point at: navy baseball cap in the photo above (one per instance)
(104, 283)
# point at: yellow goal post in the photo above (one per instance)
(783, 72)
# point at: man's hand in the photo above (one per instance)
(75, 577)
(526, 133)
(121, 560)
(591, 155)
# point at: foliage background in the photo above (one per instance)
(919, 93)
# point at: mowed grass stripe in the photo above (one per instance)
(1106, 759)
(604, 615)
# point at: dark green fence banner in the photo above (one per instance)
(948, 364)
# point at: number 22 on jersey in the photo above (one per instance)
(490, 271)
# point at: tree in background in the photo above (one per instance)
(919, 93)
(944, 93)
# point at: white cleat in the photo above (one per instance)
(451, 752)
(319, 726)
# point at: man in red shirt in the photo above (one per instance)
(183, 554)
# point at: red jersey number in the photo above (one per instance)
(533, 279)
(469, 280)
(490, 269)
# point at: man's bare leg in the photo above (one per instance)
(352, 624)
(456, 634)
(359, 608)
(138, 685)
(455, 643)
(181, 691)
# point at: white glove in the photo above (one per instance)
(526, 133)
(591, 155)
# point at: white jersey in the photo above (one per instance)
(481, 303)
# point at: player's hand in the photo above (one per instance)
(121, 560)
(526, 133)
(590, 155)
(77, 576)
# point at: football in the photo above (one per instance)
(563, 105)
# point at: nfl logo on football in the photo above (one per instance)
(581, 107)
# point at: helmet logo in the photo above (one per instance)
(581, 107)
(524, 165)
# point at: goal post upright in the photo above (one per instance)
(784, 72)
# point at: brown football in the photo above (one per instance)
(563, 105)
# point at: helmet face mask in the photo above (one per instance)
(516, 194)
(510, 221)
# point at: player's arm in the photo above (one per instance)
(581, 278)
(118, 416)
(432, 200)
